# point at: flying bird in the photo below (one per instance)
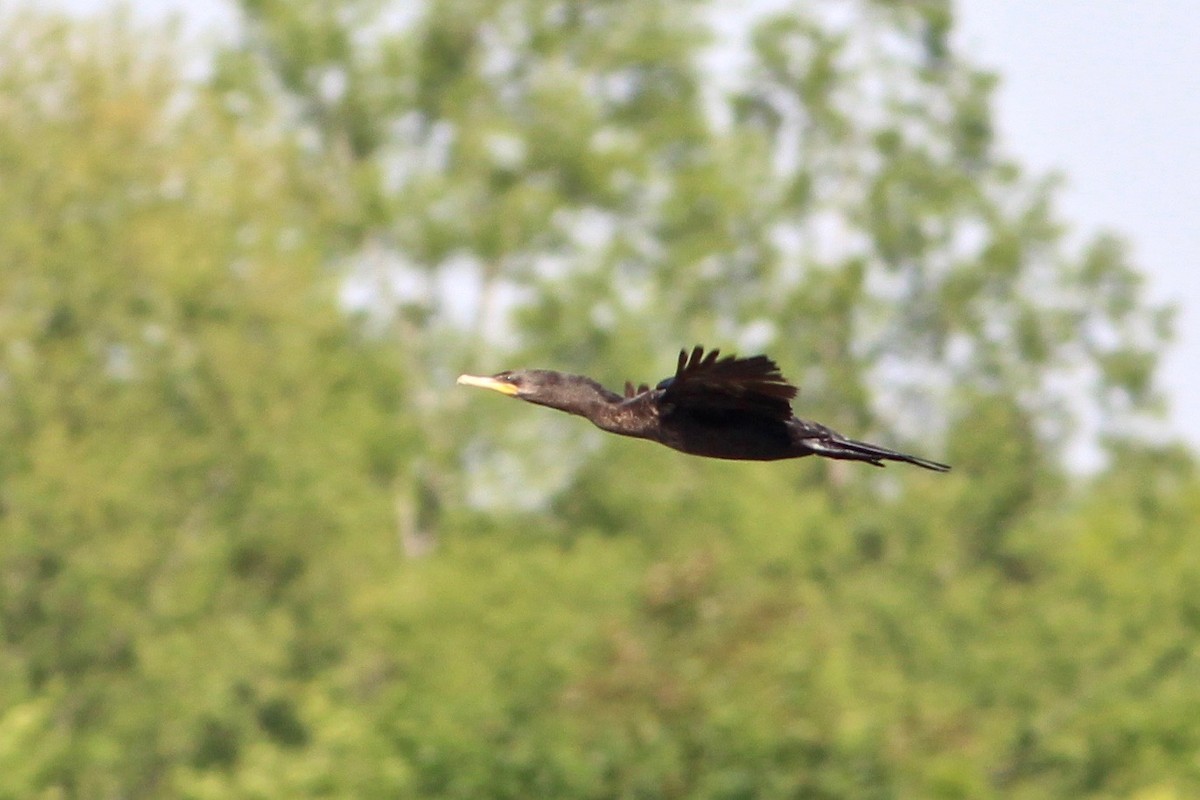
(732, 408)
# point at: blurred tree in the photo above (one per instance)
(189, 426)
(822, 182)
(591, 186)
(211, 468)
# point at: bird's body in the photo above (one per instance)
(730, 408)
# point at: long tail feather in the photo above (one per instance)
(831, 444)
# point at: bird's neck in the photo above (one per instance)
(639, 420)
(584, 397)
(580, 396)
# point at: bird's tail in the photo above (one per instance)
(832, 444)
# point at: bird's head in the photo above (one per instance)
(522, 383)
(571, 393)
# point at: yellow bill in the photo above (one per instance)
(488, 383)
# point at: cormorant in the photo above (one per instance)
(733, 408)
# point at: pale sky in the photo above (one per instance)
(1106, 92)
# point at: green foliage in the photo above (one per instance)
(252, 545)
(174, 482)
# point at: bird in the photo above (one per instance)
(729, 408)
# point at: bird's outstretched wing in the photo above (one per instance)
(705, 382)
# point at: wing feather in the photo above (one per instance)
(706, 382)
(630, 391)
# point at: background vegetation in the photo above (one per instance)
(254, 544)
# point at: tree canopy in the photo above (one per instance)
(254, 544)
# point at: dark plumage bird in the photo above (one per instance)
(735, 408)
